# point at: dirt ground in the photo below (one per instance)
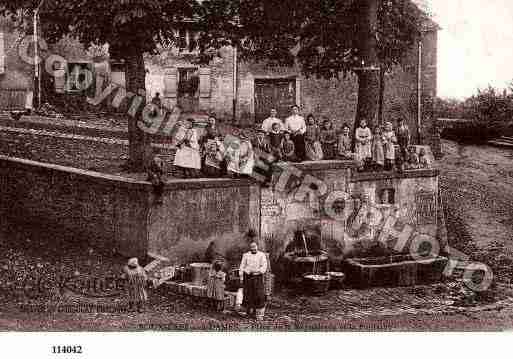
(477, 188)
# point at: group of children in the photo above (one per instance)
(208, 156)
(378, 151)
(320, 142)
(211, 156)
(137, 282)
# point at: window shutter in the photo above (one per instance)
(205, 82)
(170, 83)
(59, 81)
(2, 53)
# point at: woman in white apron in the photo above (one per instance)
(187, 157)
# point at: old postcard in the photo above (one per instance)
(260, 165)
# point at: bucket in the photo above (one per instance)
(336, 279)
(200, 273)
(316, 284)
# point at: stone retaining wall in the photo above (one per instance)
(121, 214)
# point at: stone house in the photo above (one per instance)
(246, 92)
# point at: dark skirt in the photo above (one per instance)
(329, 151)
(254, 292)
(299, 147)
(211, 171)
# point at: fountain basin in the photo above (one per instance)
(394, 271)
(299, 266)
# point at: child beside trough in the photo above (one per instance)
(137, 279)
(216, 286)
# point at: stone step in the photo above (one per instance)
(72, 127)
(501, 143)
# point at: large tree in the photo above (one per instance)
(131, 28)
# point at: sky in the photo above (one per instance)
(475, 46)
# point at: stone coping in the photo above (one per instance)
(384, 175)
(321, 165)
(124, 182)
(201, 183)
(93, 176)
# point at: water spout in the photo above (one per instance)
(304, 241)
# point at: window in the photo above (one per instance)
(79, 77)
(386, 196)
(187, 40)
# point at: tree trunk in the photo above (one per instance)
(140, 151)
(368, 79)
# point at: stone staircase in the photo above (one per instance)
(504, 141)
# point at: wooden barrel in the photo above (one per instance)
(200, 273)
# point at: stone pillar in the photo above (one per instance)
(205, 88)
(170, 87)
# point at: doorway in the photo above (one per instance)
(188, 89)
(274, 93)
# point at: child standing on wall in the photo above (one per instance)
(288, 148)
(312, 145)
(413, 159)
(213, 152)
(403, 138)
(276, 141)
(378, 155)
(389, 141)
(344, 143)
(216, 286)
(423, 160)
(363, 143)
(328, 139)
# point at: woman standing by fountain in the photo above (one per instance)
(252, 269)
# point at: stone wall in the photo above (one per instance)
(332, 200)
(197, 212)
(110, 212)
(120, 214)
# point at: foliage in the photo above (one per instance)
(325, 37)
(319, 35)
(125, 24)
(490, 112)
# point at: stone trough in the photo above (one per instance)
(398, 270)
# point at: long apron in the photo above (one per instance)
(254, 292)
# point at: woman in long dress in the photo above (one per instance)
(187, 157)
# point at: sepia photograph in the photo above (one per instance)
(255, 166)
